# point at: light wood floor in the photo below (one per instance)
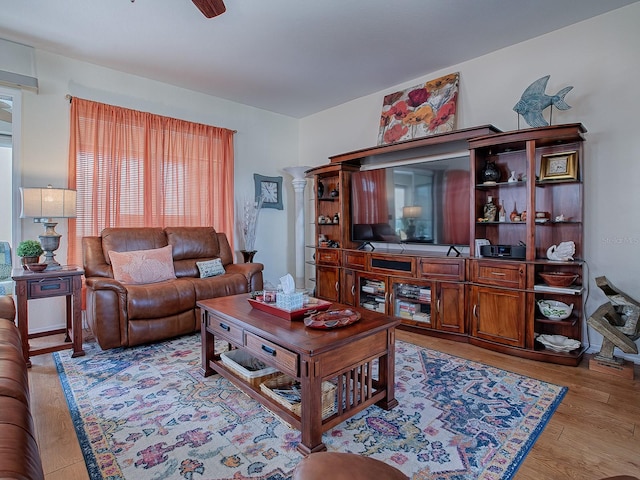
(595, 432)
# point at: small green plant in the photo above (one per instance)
(29, 248)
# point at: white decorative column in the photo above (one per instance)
(299, 182)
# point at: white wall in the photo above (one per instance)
(599, 57)
(265, 143)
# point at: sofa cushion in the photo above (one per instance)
(210, 268)
(143, 266)
(158, 300)
(220, 286)
(193, 242)
(129, 239)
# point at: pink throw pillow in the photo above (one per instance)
(143, 266)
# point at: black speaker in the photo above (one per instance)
(517, 252)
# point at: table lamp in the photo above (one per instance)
(411, 212)
(46, 204)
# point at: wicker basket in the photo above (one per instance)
(247, 367)
(284, 382)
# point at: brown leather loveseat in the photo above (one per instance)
(123, 315)
(19, 455)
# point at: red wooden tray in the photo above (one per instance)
(314, 305)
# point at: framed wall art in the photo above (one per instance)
(270, 189)
(559, 166)
(419, 111)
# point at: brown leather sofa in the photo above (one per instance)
(19, 455)
(122, 315)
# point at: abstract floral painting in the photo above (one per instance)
(419, 111)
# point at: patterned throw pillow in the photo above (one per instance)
(210, 268)
(143, 266)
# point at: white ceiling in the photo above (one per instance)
(294, 57)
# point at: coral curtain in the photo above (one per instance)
(456, 208)
(369, 197)
(137, 169)
(369, 206)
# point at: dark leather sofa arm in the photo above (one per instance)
(251, 271)
(102, 283)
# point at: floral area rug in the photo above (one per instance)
(148, 413)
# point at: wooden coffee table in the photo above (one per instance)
(359, 359)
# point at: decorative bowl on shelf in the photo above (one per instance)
(558, 343)
(554, 310)
(36, 267)
(558, 279)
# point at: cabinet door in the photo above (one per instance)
(348, 288)
(327, 283)
(498, 315)
(450, 307)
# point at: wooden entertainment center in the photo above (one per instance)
(490, 302)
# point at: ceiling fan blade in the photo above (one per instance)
(210, 8)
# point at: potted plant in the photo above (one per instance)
(30, 251)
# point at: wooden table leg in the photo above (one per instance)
(311, 414)
(74, 315)
(23, 318)
(207, 342)
(67, 338)
(387, 373)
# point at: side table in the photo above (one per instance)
(67, 282)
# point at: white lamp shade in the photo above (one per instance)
(412, 211)
(48, 202)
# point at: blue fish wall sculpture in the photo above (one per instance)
(534, 101)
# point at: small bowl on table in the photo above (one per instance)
(558, 279)
(36, 267)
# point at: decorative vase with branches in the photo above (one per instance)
(248, 213)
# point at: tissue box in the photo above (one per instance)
(290, 301)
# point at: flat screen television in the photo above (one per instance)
(426, 202)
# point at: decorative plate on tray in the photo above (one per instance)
(332, 319)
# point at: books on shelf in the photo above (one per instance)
(422, 317)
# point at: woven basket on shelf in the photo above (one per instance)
(284, 381)
(244, 365)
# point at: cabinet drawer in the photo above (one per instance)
(500, 274)
(50, 287)
(225, 329)
(328, 256)
(281, 358)
(438, 268)
(355, 260)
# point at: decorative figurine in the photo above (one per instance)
(562, 252)
(512, 178)
(502, 215)
(490, 173)
(490, 210)
(534, 101)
